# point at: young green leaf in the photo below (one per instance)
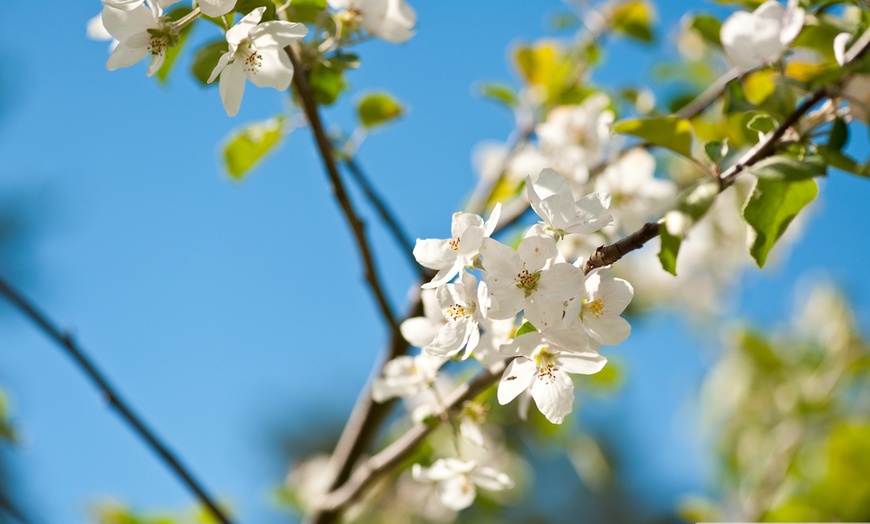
(670, 132)
(669, 250)
(376, 109)
(206, 58)
(501, 93)
(771, 207)
(634, 19)
(716, 151)
(527, 327)
(327, 83)
(788, 168)
(249, 145)
(708, 27)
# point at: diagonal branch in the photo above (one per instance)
(327, 155)
(71, 348)
(400, 236)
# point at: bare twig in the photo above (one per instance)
(327, 156)
(400, 236)
(71, 348)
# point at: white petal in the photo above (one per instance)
(156, 64)
(615, 294)
(124, 24)
(516, 378)
(125, 5)
(490, 224)
(419, 331)
(241, 30)
(457, 493)
(124, 56)
(610, 331)
(500, 261)
(488, 478)
(535, 252)
(221, 64)
(462, 221)
(277, 33)
(450, 338)
(232, 87)
(554, 396)
(840, 42)
(587, 363)
(792, 23)
(275, 71)
(216, 8)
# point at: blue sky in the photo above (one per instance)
(213, 304)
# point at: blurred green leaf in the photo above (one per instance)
(377, 109)
(839, 134)
(842, 161)
(327, 83)
(708, 27)
(249, 145)
(501, 93)
(716, 151)
(669, 132)
(527, 327)
(634, 19)
(206, 58)
(771, 207)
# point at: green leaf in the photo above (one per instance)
(839, 135)
(527, 327)
(246, 6)
(760, 122)
(771, 207)
(788, 168)
(206, 58)
(327, 83)
(376, 109)
(709, 28)
(716, 151)
(634, 19)
(501, 93)
(842, 161)
(670, 132)
(313, 4)
(249, 145)
(669, 250)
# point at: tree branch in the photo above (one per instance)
(71, 348)
(400, 236)
(357, 226)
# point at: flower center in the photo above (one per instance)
(458, 311)
(596, 307)
(157, 45)
(454, 244)
(528, 282)
(546, 367)
(253, 60)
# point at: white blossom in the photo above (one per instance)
(139, 33)
(406, 376)
(759, 38)
(449, 256)
(635, 192)
(390, 20)
(598, 310)
(256, 52)
(552, 200)
(457, 479)
(575, 137)
(543, 363)
(421, 331)
(462, 305)
(518, 280)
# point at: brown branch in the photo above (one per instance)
(71, 348)
(327, 155)
(372, 469)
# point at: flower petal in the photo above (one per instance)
(232, 87)
(516, 378)
(554, 395)
(275, 71)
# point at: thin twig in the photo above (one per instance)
(392, 455)
(327, 156)
(71, 348)
(400, 236)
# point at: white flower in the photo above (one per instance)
(406, 376)
(495, 333)
(856, 90)
(457, 479)
(139, 33)
(636, 194)
(256, 52)
(575, 137)
(390, 20)
(755, 39)
(599, 309)
(544, 361)
(449, 256)
(215, 8)
(421, 331)
(462, 305)
(552, 200)
(129, 5)
(517, 280)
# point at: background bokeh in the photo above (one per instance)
(234, 315)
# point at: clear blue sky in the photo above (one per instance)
(213, 304)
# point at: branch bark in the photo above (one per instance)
(74, 351)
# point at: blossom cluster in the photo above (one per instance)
(255, 47)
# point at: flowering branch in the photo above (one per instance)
(327, 155)
(69, 345)
(370, 470)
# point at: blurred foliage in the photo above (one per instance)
(790, 408)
